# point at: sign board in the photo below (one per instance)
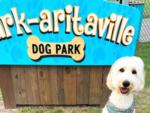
(66, 32)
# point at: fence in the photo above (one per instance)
(145, 31)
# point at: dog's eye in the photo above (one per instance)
(121, 70)
(134, 72)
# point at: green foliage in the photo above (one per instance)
(40, 110)
(147, 8)
(143, 50)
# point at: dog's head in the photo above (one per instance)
(126, 75)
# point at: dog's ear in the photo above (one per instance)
(109, 80)
(141, 73)
(142, 85)
(142, 76)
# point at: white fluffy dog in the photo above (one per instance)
(125, 79)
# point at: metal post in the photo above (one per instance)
(125, 2)
(120, 1)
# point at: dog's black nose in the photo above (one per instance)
(126, 84)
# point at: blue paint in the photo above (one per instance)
(13, 51)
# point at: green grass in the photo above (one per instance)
(147, 8)
(143, 50)
(62, 110)
(41, 110)
(143, 99)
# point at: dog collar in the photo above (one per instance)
(113, 109)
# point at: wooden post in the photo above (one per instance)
(6, 86)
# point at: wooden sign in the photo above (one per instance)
(69, 32)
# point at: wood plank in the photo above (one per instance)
(6, 85)
(53, 85)
(83, 86)
(28, 84)
(70, 85)
(19, 84)
(32, 85)
(95, 95)
(44, 85)
(60, 84)
(105, 90)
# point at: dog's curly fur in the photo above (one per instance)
(125, 79)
